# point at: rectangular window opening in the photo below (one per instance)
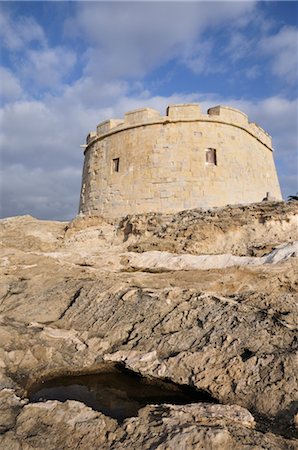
(115, 164)
(211, 156)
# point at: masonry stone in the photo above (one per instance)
(152, 163)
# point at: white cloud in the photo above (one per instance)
(43, 193)
(283, 48)
(36, 63)
(17, 32)
(239, 46)
(10, 86)
(89, 92)
(49, 66)
(44, 134)
(47, 133)
(199, 58)
(131, 38)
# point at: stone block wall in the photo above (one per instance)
(148, 162)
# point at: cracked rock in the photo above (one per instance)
(71, 304)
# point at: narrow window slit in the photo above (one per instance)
(116, 164)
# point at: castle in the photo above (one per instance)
(186, 159)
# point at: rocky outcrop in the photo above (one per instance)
(252, 230)
(72, 303)
(70, 425)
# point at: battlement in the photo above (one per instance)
(141, 115)
(107, 125)
(184, 111)
(231, 115)
(238, 118)
(181, 112)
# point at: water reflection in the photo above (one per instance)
(116, 394)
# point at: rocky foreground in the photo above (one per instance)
(203, 298)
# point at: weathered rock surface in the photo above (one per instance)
(163, 261)
(251, 230)
(71, 302)
(70, 425)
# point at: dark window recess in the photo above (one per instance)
(211, 156)
(116, 164)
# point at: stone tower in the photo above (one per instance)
(152, 163)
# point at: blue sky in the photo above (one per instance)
(66, 66)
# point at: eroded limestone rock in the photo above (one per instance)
(70, 425)
(67, 306)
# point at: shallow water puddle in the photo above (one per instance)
(116, 394)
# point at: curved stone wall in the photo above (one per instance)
(148, 162)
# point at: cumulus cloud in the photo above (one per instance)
(239, 46)
(35, 62)
(17, 32)
(44, 134)
(43, 193)
(199, 58)
(48, 67)
(131, 38)
(283, 48)
(10, 86)
(272, 50)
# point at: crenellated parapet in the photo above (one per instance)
(236, 117)
(142, 116)
(180, 113)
